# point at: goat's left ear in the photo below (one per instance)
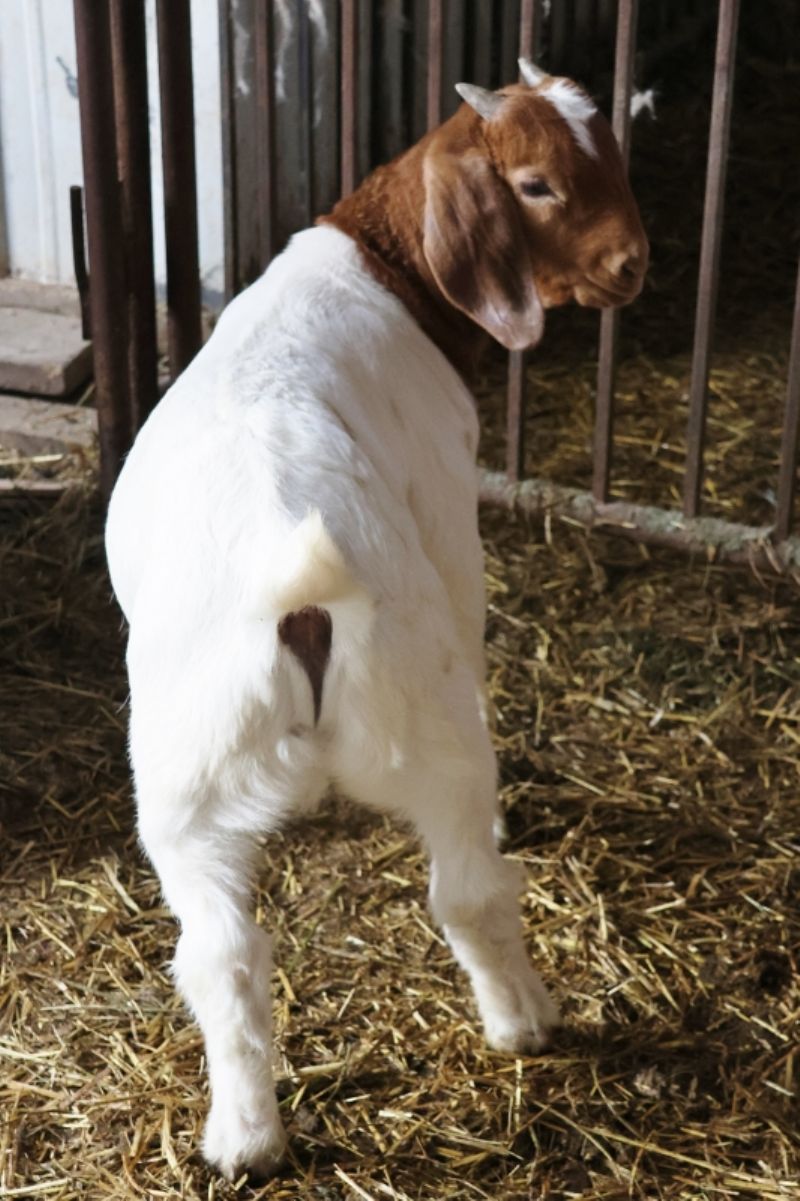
(474, 244)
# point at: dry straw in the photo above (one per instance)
(648, 720)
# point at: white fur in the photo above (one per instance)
(643, 102)
(577, 110)
(320, 449)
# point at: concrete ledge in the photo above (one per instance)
(45, 427)
(43, 353)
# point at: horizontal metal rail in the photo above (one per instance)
(717, 541)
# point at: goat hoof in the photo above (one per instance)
(527, 1027)
(233, 1146)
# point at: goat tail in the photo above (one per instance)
(311, 579)
(311, 572)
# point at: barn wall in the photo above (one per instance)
(40, 153)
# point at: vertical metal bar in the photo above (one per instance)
(129, 50)
(306, 101)
(509, 48)
(349, 94)
(230, 180)
(627, 20)
(79, 257)
(516, 401)
(516, 395)
(562, 29)
(104, 228)
(709, 250)
(482, 22)
(265, 131)
(180, 181)
(791, 424)
(529, 26)
(435, 52)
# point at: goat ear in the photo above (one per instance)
(474, 245)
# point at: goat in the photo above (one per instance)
(293, 540)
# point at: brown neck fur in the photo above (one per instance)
(385, 216)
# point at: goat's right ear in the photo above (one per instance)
(474, 244)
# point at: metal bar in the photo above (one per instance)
(709, 250)
(306, 101)
(265, 131)
(788, 468)
(104, 229)
(516, 398)
(714, 540)
(79, 257)
(529, 27)
(180, 181)
(349, 96)
(435, 53)
(129, 51)
(230, 181)
(624, 54)
(516, 395)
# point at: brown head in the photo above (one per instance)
(517, 203)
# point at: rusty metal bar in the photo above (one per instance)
(230, 181)
(306, 102)
(79, 257)
(349, 97)
(709, 250)
(788, 468)
(129, 51)
(265, 127)
(624, 54)
(516, 398)
(107, 297)
(173, 22)
(516, 395)
(709, 537)
(435, 59)
(529, 25)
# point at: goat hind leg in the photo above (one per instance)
(222, 967)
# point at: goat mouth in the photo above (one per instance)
(600, 296)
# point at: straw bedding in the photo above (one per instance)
(648, 722)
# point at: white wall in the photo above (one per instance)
(40, 154)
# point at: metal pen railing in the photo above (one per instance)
(113, 88)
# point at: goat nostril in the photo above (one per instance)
(630, 269)
(625, 267)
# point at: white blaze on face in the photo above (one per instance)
(576, 109)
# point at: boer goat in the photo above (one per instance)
(294, 542)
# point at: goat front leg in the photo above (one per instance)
(222, 967)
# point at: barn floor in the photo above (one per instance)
(648, 727)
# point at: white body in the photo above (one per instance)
(320, 450)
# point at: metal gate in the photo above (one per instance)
(301, 82)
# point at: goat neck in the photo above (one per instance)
(385, 216)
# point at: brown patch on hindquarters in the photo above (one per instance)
(308, 633)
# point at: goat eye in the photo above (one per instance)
(535, 187)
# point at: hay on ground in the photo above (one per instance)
(648, 719)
